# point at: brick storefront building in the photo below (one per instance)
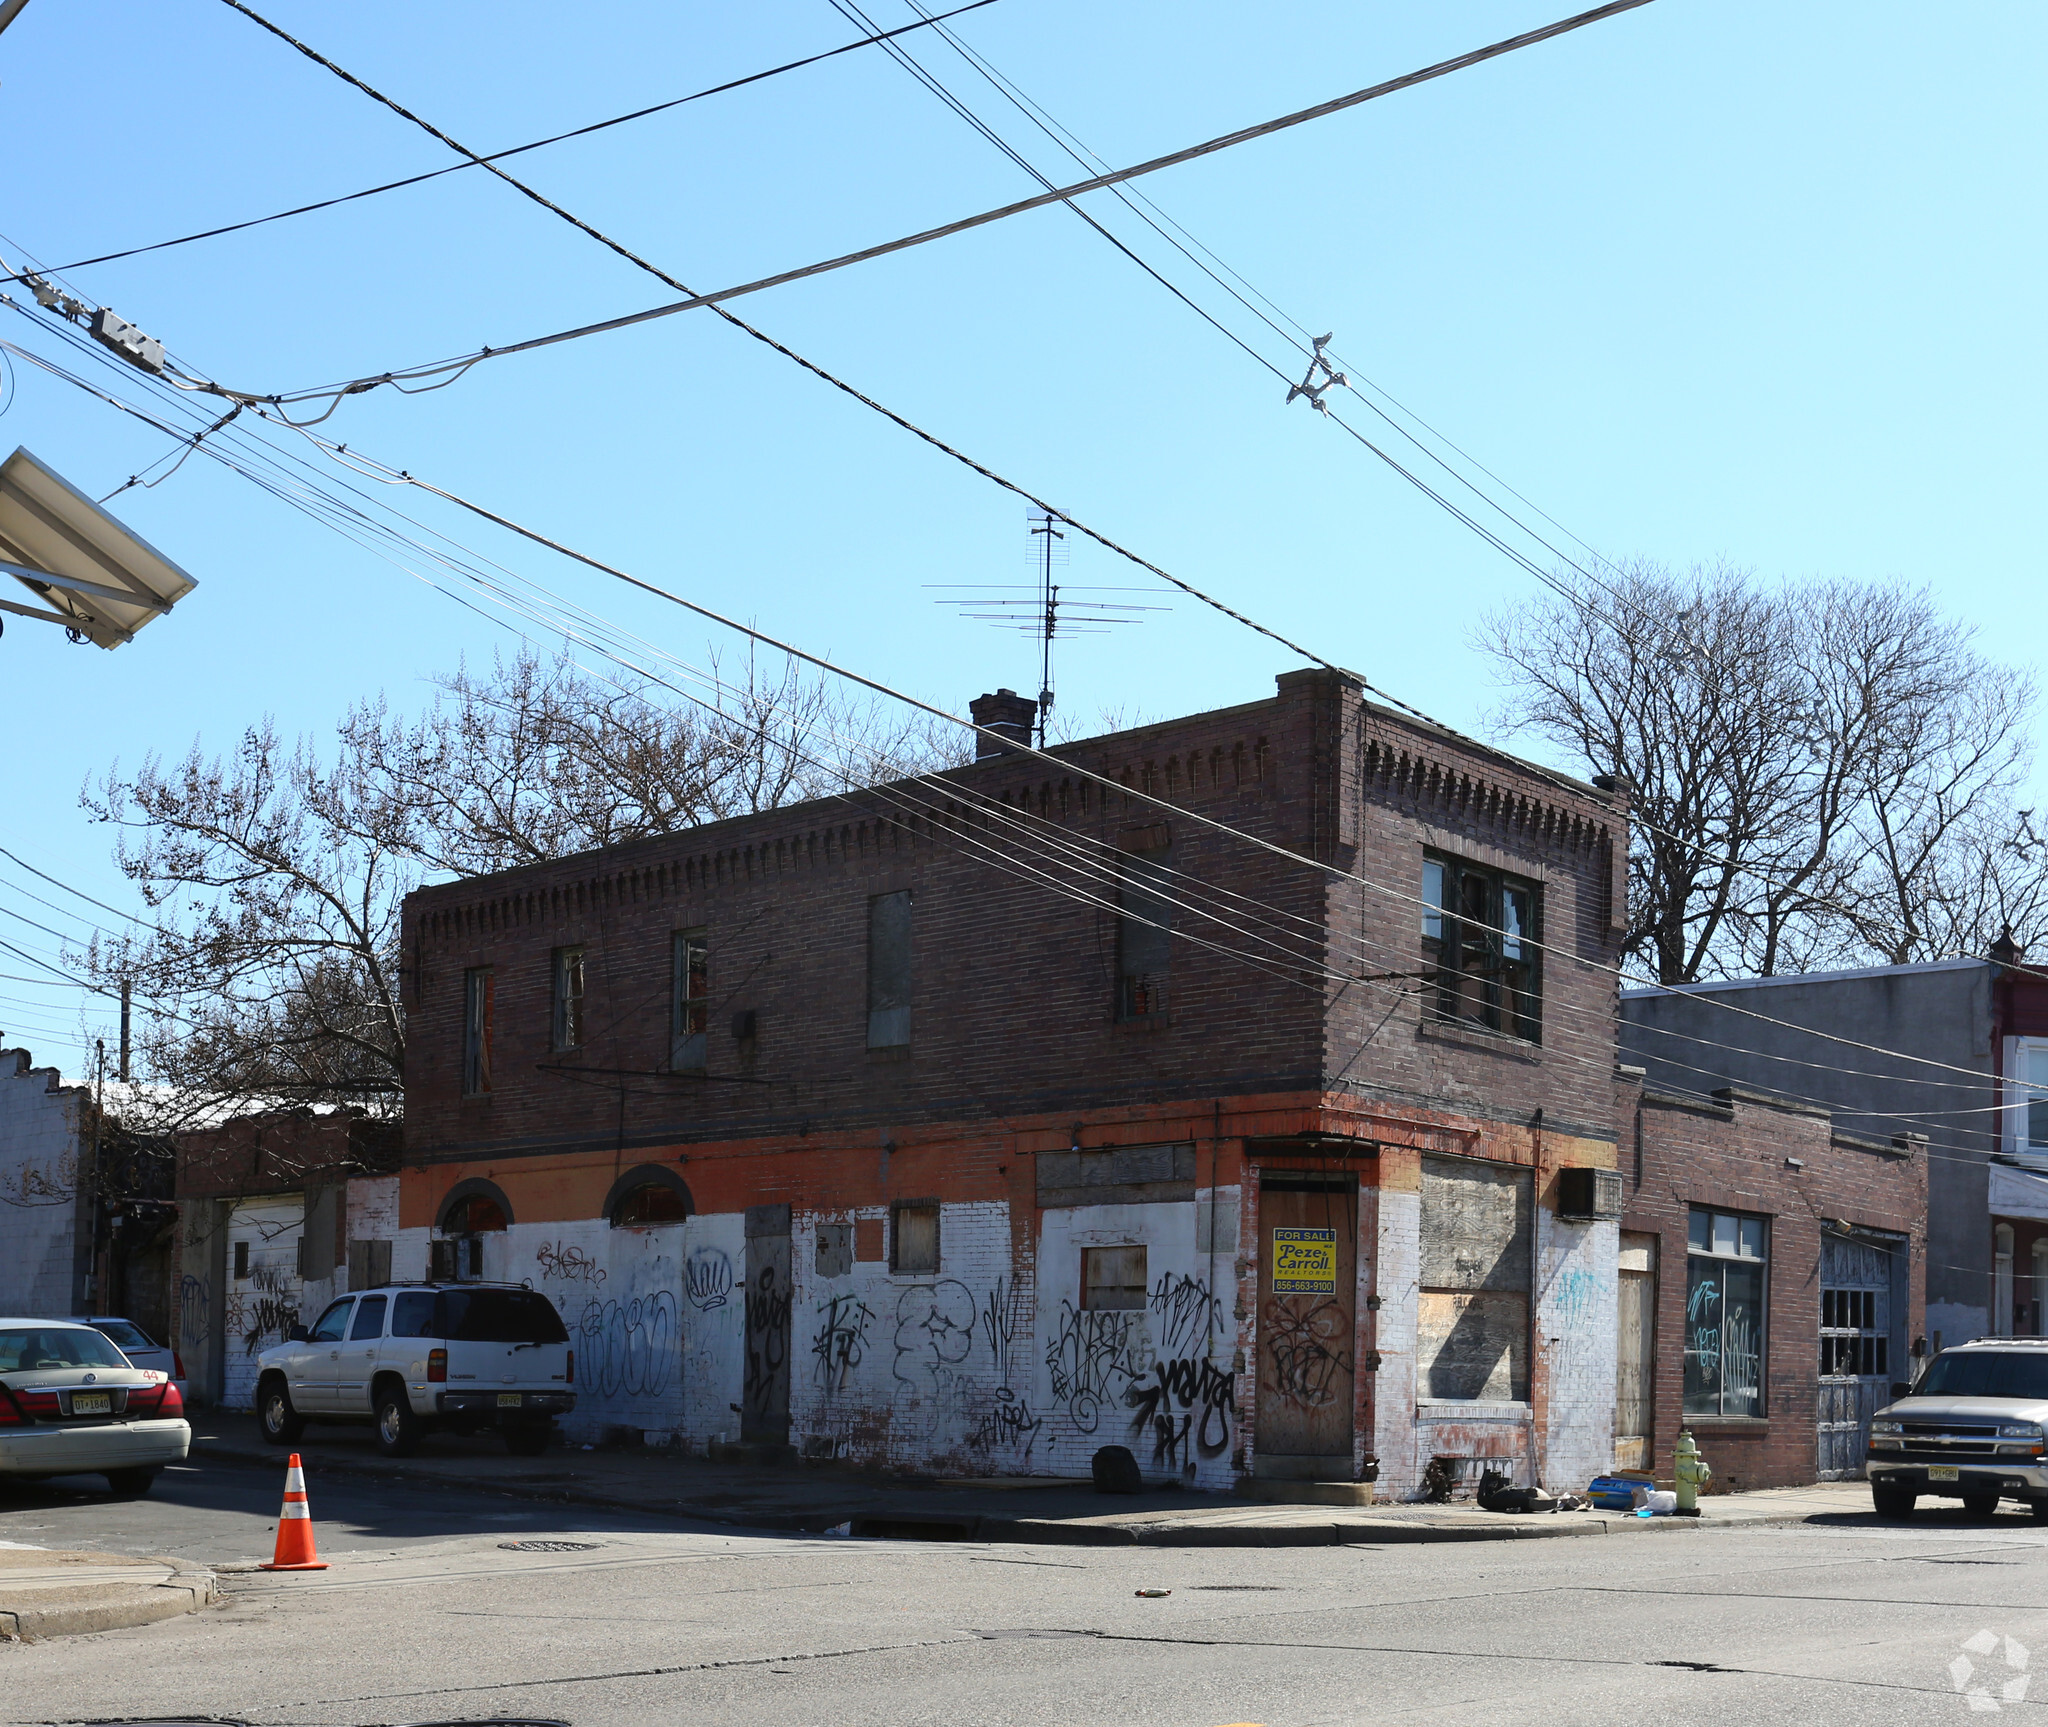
(1772, 1284)
(985, 1120)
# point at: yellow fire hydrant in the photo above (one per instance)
(1689, 1473)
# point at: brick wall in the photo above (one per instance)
(1733, 1154)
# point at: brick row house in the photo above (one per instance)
(982, 1121)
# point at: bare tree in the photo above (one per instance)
(269, 968)
(1820, 776)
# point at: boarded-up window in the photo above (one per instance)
(476, 1031)
(914, 1239)
(889, 970)
(1478, 1227)
(1113, 1278)
(1144, 940)
(369, 1264)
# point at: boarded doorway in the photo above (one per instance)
(1635, 1364)
(1308, 1325)
(262, 1304)
(764, 1400)
(1855, 1351)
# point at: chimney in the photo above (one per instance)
(1006, 713)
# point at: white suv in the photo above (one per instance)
(411, 1357)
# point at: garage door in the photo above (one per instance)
(263, 1286)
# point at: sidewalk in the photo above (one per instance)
(816, 1499)
(47, 1592)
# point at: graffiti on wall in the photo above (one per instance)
(1186, 1316)
(195, 1309)
(1305, 1339)
(266, 1312)
(934, 1332)
(569, 1264)
(1006, 1420)
(766, 1389)
(1183, 1405)
(707, 1278)
(1092, 1358)
(841, 1340)
(1001, 1314)
(628, 1348)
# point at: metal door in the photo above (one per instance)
(1855, 1351)
(1635, 1364)
(1308, 1323)
(764, 1399)
(263, 1287)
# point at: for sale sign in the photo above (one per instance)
(1304, 1262)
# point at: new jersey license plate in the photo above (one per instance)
(1941, 1472)
(92, 1403)
(513, 1399)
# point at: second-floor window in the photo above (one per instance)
(568, 1030)
(476, 1031)
(690, 1016)
(1479, 933)
(889, 971)
(1144, 937)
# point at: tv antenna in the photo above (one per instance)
(1046, 607)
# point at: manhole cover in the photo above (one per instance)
(550, 1546)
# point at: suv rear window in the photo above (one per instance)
(1987, 1373)
(498, 1316)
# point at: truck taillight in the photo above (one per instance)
(572, 1367)
(437, 1366)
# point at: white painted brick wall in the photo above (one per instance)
(40, 1126)
(1576, 1324)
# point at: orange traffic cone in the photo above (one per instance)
(295, 1526)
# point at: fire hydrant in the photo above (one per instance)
(1689, 1473)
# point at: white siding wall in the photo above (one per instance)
(262, 1307)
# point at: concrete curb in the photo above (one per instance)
(911, 1525)
(76, 1610)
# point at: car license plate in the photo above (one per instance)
(92, 1403)
(1937, 1472)
(513, 1399)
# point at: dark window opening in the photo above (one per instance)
(1479, 935)
(473, 1216)
(1144, 936)
(1724, 1313)
(476, 1031)
(241, 1259)
(654, 1203)
(889, 970)
(568, 1027)
(690, 1012)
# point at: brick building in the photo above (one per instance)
(1772, 1282)
(981, 1121)
(277, 1212)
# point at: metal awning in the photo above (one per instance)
(2017, 1193)
(90, 572)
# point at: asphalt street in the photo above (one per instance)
(428, 1614)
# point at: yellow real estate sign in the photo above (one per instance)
(1304, 1262)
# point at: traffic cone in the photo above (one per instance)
(295, 1526)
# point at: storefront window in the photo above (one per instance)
(1724, 1314)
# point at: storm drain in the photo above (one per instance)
(551, 1546)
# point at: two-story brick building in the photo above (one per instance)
(1205, 1088)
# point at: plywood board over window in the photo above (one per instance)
(1478, 1232)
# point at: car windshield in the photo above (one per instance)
(44, 1348)
(499, 1316)
(124, 1332)
(1987, 1373)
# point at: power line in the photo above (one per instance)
(1002, 212)
(520, 149)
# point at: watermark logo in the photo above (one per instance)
(1988, 1685)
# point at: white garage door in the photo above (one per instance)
(263, 1286)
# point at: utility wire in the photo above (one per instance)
(520, 149)
(1057, 195)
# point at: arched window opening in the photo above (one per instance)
(647, 1205)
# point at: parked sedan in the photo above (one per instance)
(141, 1349)
(71, 1404)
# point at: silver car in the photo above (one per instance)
(141, 1349)
(1974, 1428)
(71, 1404)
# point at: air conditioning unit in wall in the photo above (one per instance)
(1589, 1195)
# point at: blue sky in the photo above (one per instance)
(1736, 280)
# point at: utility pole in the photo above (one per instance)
(124, 1030)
